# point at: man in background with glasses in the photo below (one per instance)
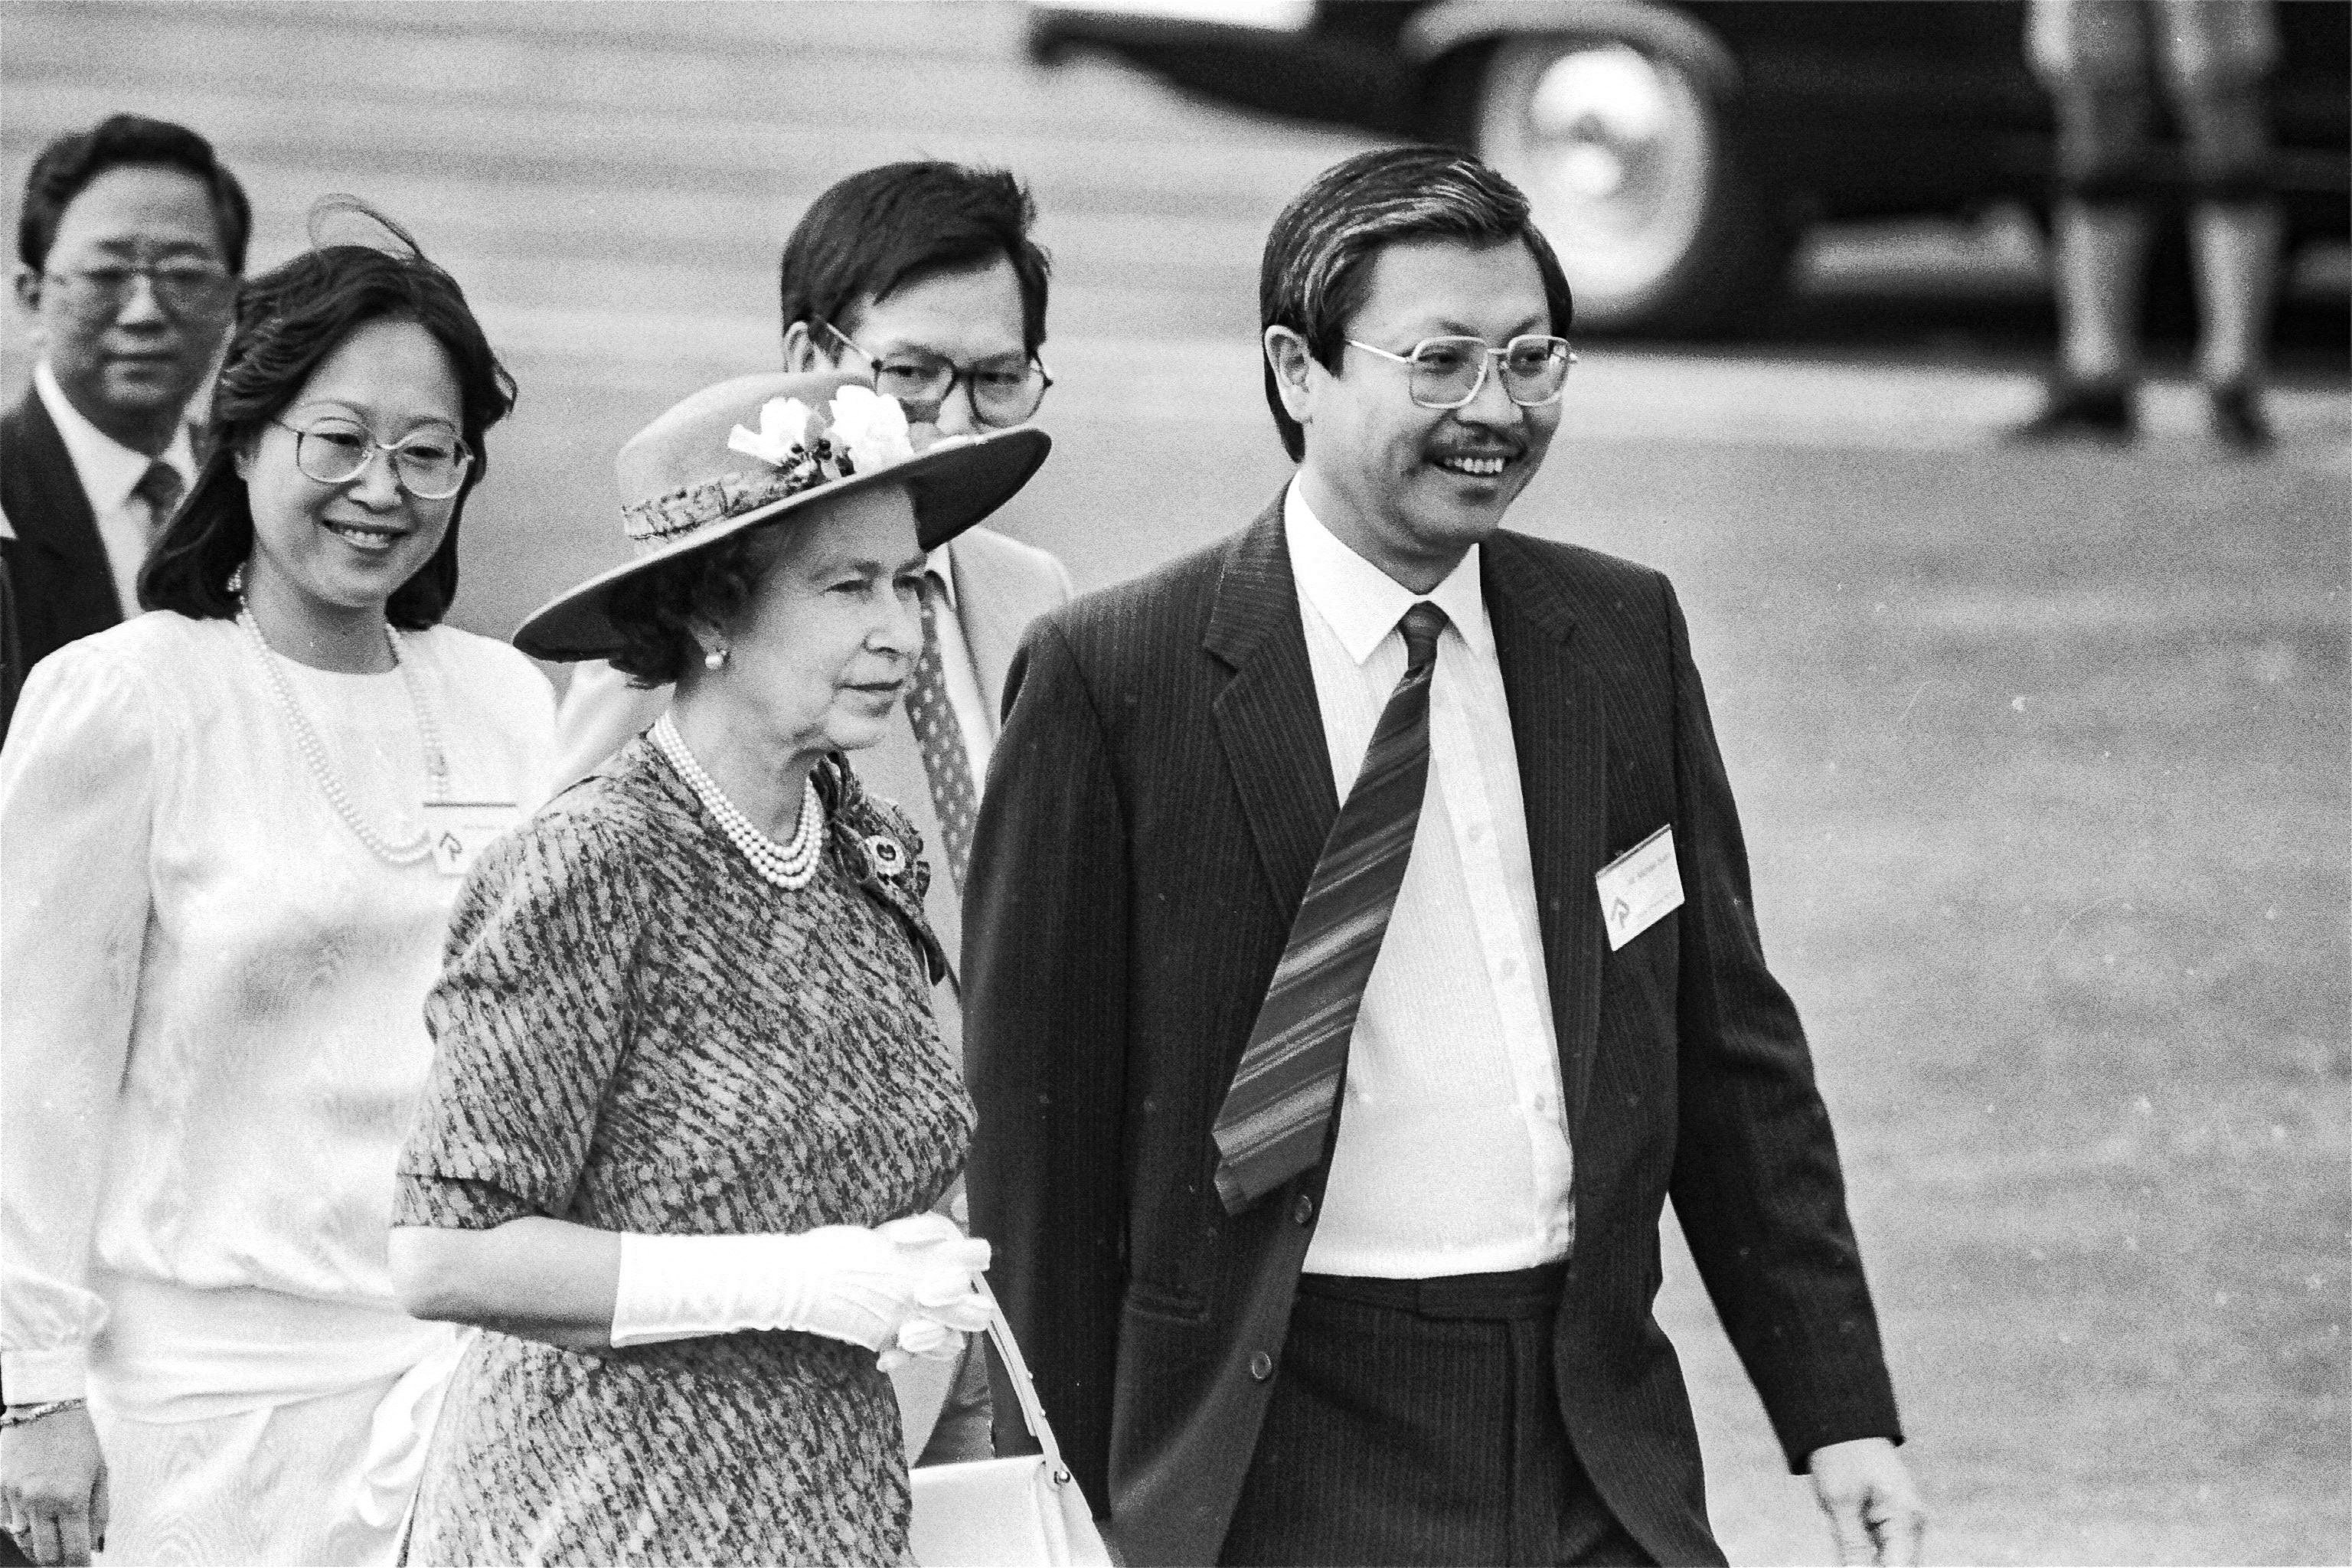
(1358, 955)
(128, 248)
(924, 275)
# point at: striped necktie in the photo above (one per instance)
(940, 736)
(1278, 1113)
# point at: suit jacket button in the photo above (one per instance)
(1261, 1366)
(1304, 1209)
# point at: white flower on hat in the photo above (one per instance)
(783, 430)
(869, 429)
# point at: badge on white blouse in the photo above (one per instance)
(462, 830)
(1640, 888)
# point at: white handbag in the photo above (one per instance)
(1021, 1512)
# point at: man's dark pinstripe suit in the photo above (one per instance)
(1153, 812)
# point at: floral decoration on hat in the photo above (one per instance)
(862, 432)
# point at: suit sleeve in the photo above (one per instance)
(1756, 1184)
(1046, 972)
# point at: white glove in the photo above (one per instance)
(936, 1332)
(845, 1282)
(947, 1309)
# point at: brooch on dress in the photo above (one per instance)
(887, 856)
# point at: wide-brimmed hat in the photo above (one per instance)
(756, 450)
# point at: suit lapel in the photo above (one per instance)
(1561, 735)
(58, 519)
(993, 608)
(1268, 718)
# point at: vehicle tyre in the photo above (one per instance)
(1629, 158)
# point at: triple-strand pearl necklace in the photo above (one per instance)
(404, 852)
(791, 866)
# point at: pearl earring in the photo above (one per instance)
(716, 660)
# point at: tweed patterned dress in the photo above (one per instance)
(635, 1032)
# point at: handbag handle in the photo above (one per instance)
(1033, 1414)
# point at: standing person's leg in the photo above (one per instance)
(2219, 53)
(2092, 56)
(2101, 253)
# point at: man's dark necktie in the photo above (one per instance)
(160, 489)
(1277, 1113)
(945, 761)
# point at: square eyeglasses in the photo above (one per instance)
(1448, 372)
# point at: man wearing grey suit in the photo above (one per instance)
(924, 274)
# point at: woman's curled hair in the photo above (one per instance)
(289, 321)
(656, 611)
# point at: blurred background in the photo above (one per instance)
(2043, 750)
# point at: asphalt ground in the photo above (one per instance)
(2041, 753)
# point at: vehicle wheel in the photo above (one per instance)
(1628, 159)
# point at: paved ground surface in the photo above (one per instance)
(2042, 755)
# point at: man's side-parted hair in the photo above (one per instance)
(882, 229)
(68, 166)
(289, 321)
(1318, 265)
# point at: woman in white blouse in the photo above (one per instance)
(234, 828)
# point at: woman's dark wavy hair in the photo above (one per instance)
(654, 612)
(289, 319)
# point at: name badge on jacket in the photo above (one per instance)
(1640, 887)
(462, 830)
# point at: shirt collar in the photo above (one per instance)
(941, 568)
(108, 469)
(1362, 604)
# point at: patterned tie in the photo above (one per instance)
(937, 731)
(1273, 1123)
(159, 488)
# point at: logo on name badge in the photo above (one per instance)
(462, 830)
(1640, 888)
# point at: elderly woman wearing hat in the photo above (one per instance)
(689, 1110)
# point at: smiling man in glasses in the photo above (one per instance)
(1359, 957)
(128, 249)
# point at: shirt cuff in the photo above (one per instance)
(36, 1377)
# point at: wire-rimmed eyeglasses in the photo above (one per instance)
(1447, 371)
(430, 464)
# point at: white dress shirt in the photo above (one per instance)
(109, 471)
(1452, 1154)
(972, 715)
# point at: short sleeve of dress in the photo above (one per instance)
(529, 1021)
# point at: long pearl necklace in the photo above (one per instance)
(791, 866)
(313, 751)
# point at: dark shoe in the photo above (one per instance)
(2239, 422)
(2084, 410)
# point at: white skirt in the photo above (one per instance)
(280, 1485)
(243, 1427)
